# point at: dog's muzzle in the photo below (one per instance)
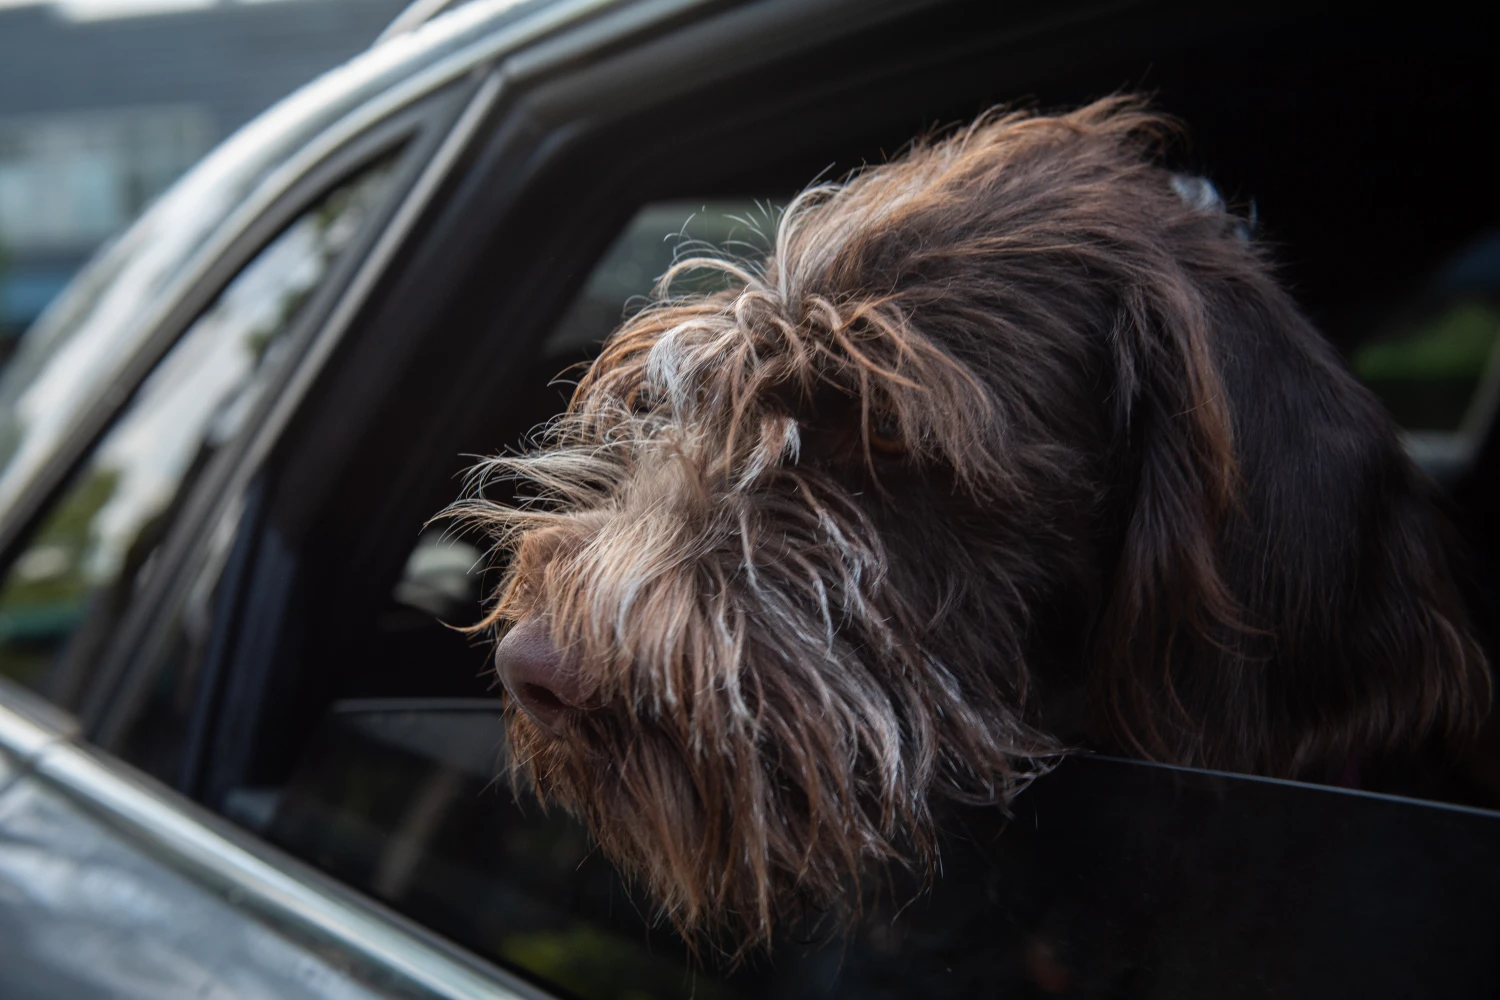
(543, 682)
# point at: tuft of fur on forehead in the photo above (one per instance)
(1005, 448)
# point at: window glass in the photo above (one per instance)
(659, 234)
(441, 577)
(62, 598)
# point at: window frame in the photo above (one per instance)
(391, 139)
(410, 136)
(561, 32)
(18, 523)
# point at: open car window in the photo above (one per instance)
(659, 235)
(443, 579)
(1109, 879)
(375, 749)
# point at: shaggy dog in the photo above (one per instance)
(1010, 447)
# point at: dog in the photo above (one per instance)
(1008, 448)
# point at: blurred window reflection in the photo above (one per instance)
(1436, 365)
(63, 597)
(661, 234)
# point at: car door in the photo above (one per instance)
(110, 886)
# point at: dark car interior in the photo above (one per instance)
(336, 710)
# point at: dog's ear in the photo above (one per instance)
(1283, 600)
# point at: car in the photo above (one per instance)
(244, 752)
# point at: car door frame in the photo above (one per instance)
(413, 136)
(554, 49)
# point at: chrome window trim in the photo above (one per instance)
(416, 14)
(262, 879)
(21, 735)
(30, 723)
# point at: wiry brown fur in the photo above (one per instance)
(1006, 448)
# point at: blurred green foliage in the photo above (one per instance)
(597, 965)
(43, 595)
(1428, 374)
(1456, 342)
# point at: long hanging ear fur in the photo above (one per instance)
(1283, 602)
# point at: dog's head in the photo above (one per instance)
(970, 468)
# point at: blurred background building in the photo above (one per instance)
(103, 103)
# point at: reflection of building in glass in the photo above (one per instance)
(62, 598)
(103, 103)
(71, 180)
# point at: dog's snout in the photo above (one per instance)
(545, 683)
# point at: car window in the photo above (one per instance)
(441, 582)
(63, 596)
(401, 799)
(659, 234)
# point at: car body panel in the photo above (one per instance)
(112, 885)
(87, 914)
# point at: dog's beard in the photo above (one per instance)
(777, 821)
(773, 717)
(731, 840)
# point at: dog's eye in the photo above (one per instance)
(640, 402)
(885, 436)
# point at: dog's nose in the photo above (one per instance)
(541, 680)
